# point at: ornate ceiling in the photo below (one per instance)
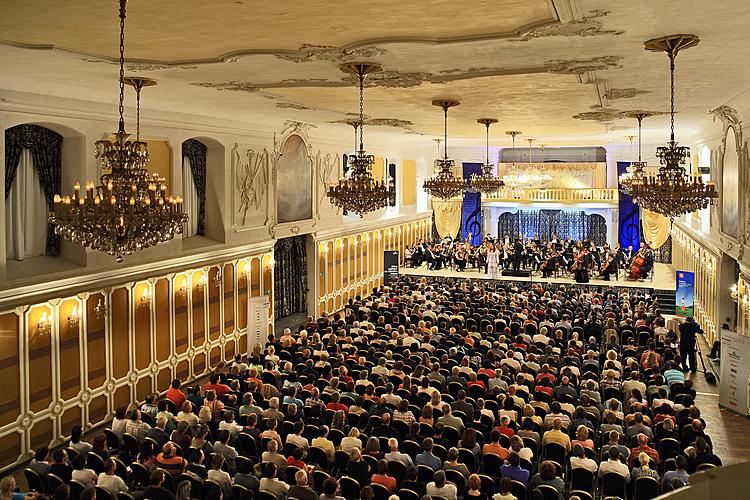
(563, 71)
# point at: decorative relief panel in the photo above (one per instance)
(251, 171)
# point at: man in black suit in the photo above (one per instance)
(517, 252)
(688, 331)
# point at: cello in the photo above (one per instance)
(635, 267)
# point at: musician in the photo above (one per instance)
(551, 263)
(459, 259)
(517, 253)
(582, 266)
(609, 267)
(434, 258)
(649, 265)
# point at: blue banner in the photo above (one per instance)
(471, 208)
(630, 215)
(684, 301)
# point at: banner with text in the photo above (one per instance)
(390, 266)
(733, 383)
(257, 322)
(684, 300)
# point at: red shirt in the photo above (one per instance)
(505, 430)
(293, 462)
(387, 481)
(337, 407)
(542, 376)
(546, 390)
(219, 389)
(476, 382)
(177, 397)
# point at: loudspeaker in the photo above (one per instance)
(523, 273)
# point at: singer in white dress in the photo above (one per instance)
(492, 262)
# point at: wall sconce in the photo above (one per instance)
(146, 297)
(100, 309)
(218, 280)
(74, 318)
(341, 245)
(180, 290)
(367, 240)
(355, 243)
(734, 292)
(201, 282)
(44, 325)
(271, 262)
(325, 249)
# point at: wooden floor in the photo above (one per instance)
(664, 277)
(729, 432)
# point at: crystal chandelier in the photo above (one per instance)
(524, 178)
(673, 191)
(637, 169)
(130, 209)
(486, 183)
(444, 184)
(358, 192)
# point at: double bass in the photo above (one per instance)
(635, 267)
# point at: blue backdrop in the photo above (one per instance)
(471, 208)
(630, 215)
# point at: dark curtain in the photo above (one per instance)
(663, 254)
(471, 208)
(290, 276)
(544, 224)
(392, 175)
(196, 152)
(46, 151)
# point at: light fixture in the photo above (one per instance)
(100, 309)
(146, 296)
(443, 183)
(130, 209)
(201, 281)
(74, 318)
(637, 169)
(44, 325)
(487, 183)
(359, 192)
(735, 293)
(673, 191)
(219, 279)
(271, 262)
(520, 178)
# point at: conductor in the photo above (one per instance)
(688, 331)
(517, 252)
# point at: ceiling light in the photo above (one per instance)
(358, 192)
(530, 177)
(637, 169)
(130, 209)
(443, 183)
(673, 191)
(486, 183)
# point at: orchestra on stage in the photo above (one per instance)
(580, 260)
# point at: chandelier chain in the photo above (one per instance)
(487, 144)
(445, 131)
(672, 54)
(361, 110)
(122, 66)
(137, 112)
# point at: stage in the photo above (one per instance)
(664, 277)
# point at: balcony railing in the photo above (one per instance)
(586, 195)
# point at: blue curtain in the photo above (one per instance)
(630, 215)
(471, 208)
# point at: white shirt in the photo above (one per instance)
(448, 491)
(111, 483)
(614, 466)
(583, 463)
(301, 441)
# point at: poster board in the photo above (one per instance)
(733, 382)
(684, 299)
(390, 266)
(257, 321)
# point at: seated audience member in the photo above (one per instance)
(439, 487)
(547, 475)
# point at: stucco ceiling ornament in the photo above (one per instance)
(580, 66)
(309, 53)
(612, 94)
(587, 26)
(292, 105)
(252, 180)
(394, 79)
(726, 114)
(233, 86)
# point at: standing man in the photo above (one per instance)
(688, 331)
(517, 252)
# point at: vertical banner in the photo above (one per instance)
(684, 302)
(390, 266)
(471, 209)
(257, 322)
(630, 215)
(733, 382)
